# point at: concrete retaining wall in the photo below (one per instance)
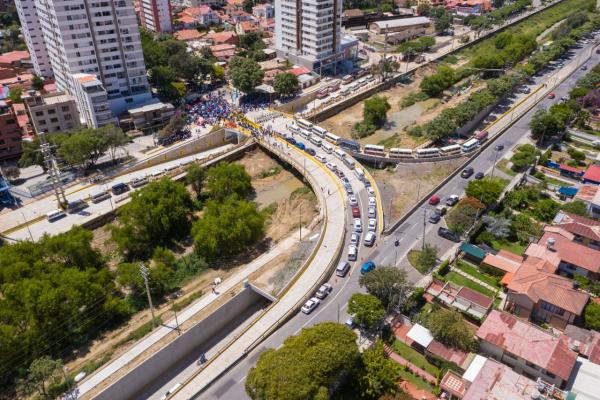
(152, 368)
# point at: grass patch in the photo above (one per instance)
(502, 165)
(418, 382)
(270, 172)
(450, 59)
(474, 272)
(93, 365)
(180, 305)
(513, 247)
(270, 209)
(139, 332)
(413, 98)
(413, 356)
(413, 258)
(301, 191)
(462, 281)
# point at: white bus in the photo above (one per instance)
(339, 154)
(449, 150)
(317, 130)
(349, 162)
(304, 133)
(294, 128)
(375, 150)
(327, 148)
(317, 141)
(360, 174)
(470, 145)
(302, 123)
(331, 138)
(396, 152)
(428, 153)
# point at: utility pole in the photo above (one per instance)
(145, 274)
(52, 167)
(424, 226)
(384, 59)
(495, 158)
(27, 225)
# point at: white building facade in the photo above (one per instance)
(155, 15)
(100, 38)
(91, 97)
(34, 39)
(308, 32)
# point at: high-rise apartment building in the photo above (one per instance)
(95, 37)
(32, 33)
(155, 15)
(308, 32)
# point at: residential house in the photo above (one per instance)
(225, 37)
(267, 25)
(422, 340)
(526, 348)
(188, 35)
(574, 258)
(223, 52)
(460, 298)
(592, 175)
(148, 118)
(245, 27)
(16, 59)
(504, 262)
(51, 112)
(264, 11)
(10, 132)
(204, 15)
(23, 120)
(584, 342)
(402, 29)
(584, 230)
(186, 22)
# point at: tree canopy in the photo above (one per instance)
(448, 327)
(379, 375)
(245, 74)
(306, 365)
(591, 316)
(366, 309)
(286, 83)
(486, 190)
(388, 284)
(228, 179)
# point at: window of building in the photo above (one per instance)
(552, 308)
(52, 111)
(549, 374)
(531, 365)
(42, 122)
(67, 117)
(54, 120)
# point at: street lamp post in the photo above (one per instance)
(396, 244)
(27, 225)
(145, 274)
(496, 151)
(424, 226)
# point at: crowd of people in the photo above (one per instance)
(182, 134)
(209, 110)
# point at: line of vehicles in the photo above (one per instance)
(318, 135)
(118, 189)
(362, 77)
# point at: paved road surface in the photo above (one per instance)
(231, 385)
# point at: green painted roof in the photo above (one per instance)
(473, 250)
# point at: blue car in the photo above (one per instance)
(311, 152)
(366, 267)
(290, 140)
(300, 145)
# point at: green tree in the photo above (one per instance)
(545, 210)
(523, 158)
(379, 375)
(81, 147)
(114, 139)
(591, 316)
(448, 327)
(366, 309)
(423, 9)
(576, 207)
(43, 373)
(436, 83)
(428, 257)
(545, 125)
(245, 74)
(175, 91)
(248, 4)
(31, 154)
(286, 83)
(464, 215)
(525, 228)
(227, 227)
(227, 179)
(157, 215)
(37, 82)
(15, 94)
(486, 190)
(328, 350)
(161, 76)
(195, 176)
(375, 110)
(388, 284)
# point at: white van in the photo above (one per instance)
(340, 154)
(370, 239)
(327, 148)
(342, 268)
(98, 197)
(54, 215)
(317, 141)
(321, 158)
(352, 253)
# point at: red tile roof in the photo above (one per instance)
(495, 381)
(577, 225)
(586, 192)
(592, 173)
(572, 252)
(298, 71)
(14, 56)
(528, 342)
(221, 37)
(186, 19)
(474, 297)
(502, 263)
(197, 11)
(456, 356)
(187, 34)
(565, 167)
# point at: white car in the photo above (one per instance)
(372, 212)
(310, 305)
(370, 238)
(331, 166)
(353, 200)
(372, 224)
(354, 238)
(370, 191)
(324, 290)
(357, 225)
(321, 158)
(372, 201)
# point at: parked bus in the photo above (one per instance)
(449, 150)
(331, 138)
(320, 132)
(374, 150)
(396, 152)
(339, 154)
(349, 162)
(482, 136)
(304, 124)
(470, 145)
(304, 133)
(317, 141)
(428, 153)
(294, 129)
(360, 174)
(349, 145)
(347, 79)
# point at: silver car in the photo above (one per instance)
(372, 212)
(354, 238)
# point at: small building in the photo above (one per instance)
(225, 37)
(148, 118)
(246, 27)
(51, 112)
(503, 262)
(204, 15)
(526, 348)
(223, 52)
(584, 342)
(472, 252)
(461, 298)
(15, 59)
(264, 11)
(92, 101)
(584, 230)
(423, 341)
(10, 132)
(188, 35)
(402, 29)
(353, 13)
(592, 175)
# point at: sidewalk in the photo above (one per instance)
(126, 359)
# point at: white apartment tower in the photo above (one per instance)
(32, 33)
(99, 38)
(308, 32)
(155, 15)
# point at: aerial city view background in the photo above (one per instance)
(300, 199)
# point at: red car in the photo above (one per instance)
(355, 212)
(434, 200)
(551, 95)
